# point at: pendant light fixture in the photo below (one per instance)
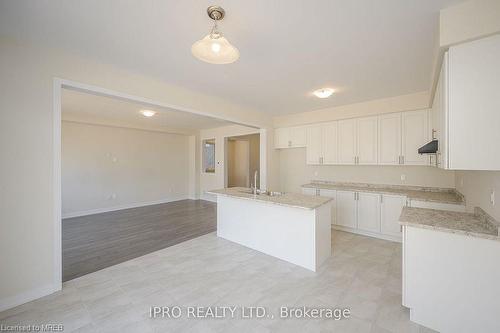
(214, 48)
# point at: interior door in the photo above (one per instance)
(347, 141)
(329, 143)
(415, 135)
(390, 210)
(367, 140)
(346, 209)
(313, 144)
(369, 212)
(389, 138)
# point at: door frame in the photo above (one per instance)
(58, 85)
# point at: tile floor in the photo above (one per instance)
(364, 274)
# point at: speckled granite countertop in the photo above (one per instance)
(431, 194)
(477, 224)
(288, 199)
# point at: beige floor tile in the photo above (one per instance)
(363, 274)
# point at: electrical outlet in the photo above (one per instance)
(492, 198)
(316, 173)
(461, 182)
(403, 178)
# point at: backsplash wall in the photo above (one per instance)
(477, 187)
(294, 172)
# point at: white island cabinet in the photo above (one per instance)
(292, 227)
(450, 269)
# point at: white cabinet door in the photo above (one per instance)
(474, 105)
(309, 191)
(347, 141)
(346, 209)
(297, 137)
(389, 139)
(281, 137)
(366, 130)
(313, 144)
(329, 143)
(390, 210)
(369, 211)
(331, 194)
(415, 135)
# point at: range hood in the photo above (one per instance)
(429, 148)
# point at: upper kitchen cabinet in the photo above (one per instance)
(415, 134)
(367, 140)
(347, 141)
(321, 143)
(314, 148)
(474, 105)
(290, 137)
(389, 139)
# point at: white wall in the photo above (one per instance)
(416, 101)
(294, 172)
(468, 20)
(28, 235)
(477, 187)
(138, 167)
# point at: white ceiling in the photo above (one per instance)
(94, 109)
(364, 48)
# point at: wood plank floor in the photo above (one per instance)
(93, 242)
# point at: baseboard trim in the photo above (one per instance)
(27, 296)
(367, 233)
(120, 207)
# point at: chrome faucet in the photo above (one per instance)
(254, 189)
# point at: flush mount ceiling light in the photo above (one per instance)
(148, 113)
(214, 48)
(323, 92)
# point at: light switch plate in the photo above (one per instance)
(403, 178)
(492, 198)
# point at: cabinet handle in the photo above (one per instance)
(289, 143)
(399, 159)
(381, 199)
(402, 160)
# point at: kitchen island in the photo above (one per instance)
(292, 227)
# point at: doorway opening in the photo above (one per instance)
(243, 161)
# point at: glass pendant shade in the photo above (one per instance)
(215, 49)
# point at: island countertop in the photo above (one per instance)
(477, 224)
(294, 200)
(430, 194)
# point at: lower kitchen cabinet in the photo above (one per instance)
(365, 213)
(390, 210)
(368, 211)
(346, 209)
